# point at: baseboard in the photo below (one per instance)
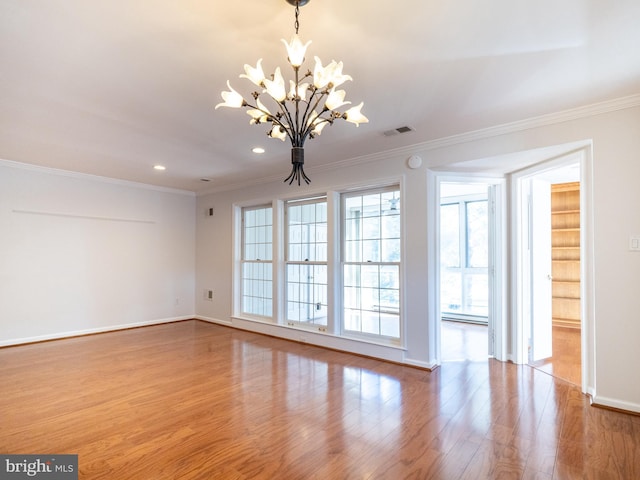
(89, 331)
(213, 320)
(431, 366)
(615, 404)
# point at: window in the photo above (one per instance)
(371, 262)
(328, 263)
(464, 258)
(257, 268)
(306, 262)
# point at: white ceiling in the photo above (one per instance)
(114, 87)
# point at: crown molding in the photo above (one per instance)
(586, 111)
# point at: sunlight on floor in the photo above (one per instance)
(463, 341)
(566, 360)
(468, 342)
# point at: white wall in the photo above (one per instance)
(81, 254)
(616, 160)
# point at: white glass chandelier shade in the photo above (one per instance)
(296, 50)
(301, 111)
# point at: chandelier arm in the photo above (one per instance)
(308, 109)
(301, 124)
(288, 126)
(284, 126)
(309, 130)
(272, 118)
(320, 95)
(305, 121)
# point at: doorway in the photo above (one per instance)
(550, 274)
(509, 274)
(470, 302)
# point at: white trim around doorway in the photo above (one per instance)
(498, 339)
(518, 257)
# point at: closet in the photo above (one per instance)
(565, 250)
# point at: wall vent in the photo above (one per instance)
(396, 131)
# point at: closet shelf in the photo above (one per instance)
(564, 212)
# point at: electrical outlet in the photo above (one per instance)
(208, 295)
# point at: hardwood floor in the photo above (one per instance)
(463, 341)
(192, 400)
(566, 362)
(466, 341)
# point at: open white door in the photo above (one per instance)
(540, 243)
(494, 294)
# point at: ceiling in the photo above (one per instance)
(113, 88)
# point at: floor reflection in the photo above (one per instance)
(463, 341)
(468, 342)
(566, 361)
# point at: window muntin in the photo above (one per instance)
(257, 265)
(306, 262)
(371, 263)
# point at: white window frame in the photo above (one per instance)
(267, 262)
(320, 301)
(335, 268)
(378, 338)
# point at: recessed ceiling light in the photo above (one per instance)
(257, 150)
(159, 167)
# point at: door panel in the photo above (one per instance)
(540, 243)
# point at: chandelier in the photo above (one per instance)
(311, 102)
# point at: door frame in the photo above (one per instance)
(497, 195)
(519, 272)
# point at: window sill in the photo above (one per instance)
(305, 334)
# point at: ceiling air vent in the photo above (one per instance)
(396, 131)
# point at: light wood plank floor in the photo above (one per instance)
(192, 400)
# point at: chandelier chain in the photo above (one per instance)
(297, 22)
